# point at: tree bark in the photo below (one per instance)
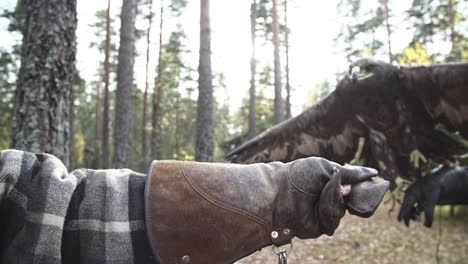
(204, 144)
(278, 104)
(387, 24)
(144, 151)
(105, 117)
(71, 142)
(42, 99)
(456, 52)
(123, 130)
(157, 96)
(97, 130)
(177, 127)
(253, 71)
(286, 44)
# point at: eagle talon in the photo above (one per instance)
(415, 157)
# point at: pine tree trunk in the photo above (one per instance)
(286, 44)
(123, 130)
(387, 24)
(456, 52)
(204, 144)
(253, 65)
(97, 130)
(177, 127)
(105, 118)
(278, 104)
(71, 142)
(42, 99)
(144, 142)
(157, 97)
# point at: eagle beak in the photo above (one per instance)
(356, 74)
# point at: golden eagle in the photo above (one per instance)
(401, 112)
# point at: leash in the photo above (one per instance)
(282, 254)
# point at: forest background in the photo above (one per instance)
(313, 44)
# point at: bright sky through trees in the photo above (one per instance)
(314, 56)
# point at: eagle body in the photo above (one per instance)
(395, 109)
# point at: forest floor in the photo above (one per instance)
(382, 239)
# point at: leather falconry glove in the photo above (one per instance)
(219, 213)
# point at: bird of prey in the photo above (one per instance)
(405, 114)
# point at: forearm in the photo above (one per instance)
(36, 192)
(236, 209)
(86, 216)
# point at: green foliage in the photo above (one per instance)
(17, 17)
(318, 92)
(7, 91)
(439, 22)
(265, 21)
(79, 146)
(17, 21)
(99, 41)
(137, 104)
(358, 33)
(177, 6)
(421, 14)
(85, 144)
(221, 128)
(179, 105)
(84, 123)
(414, 54)
(264, 114)
(183, 140)
(434, 23)
(84, 141)
(464, 48)
(9, 66)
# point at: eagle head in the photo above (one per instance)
(372, 87)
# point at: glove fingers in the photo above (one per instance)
(366, 197)
(331, 205)
(356, 174)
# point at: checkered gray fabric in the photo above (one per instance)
(48, 215)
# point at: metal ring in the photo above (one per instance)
(290, 249)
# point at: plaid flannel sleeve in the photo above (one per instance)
(48, 215)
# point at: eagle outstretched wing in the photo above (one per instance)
(327, 129)
(443, 90)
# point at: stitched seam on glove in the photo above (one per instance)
(294, 185)
(224, 206)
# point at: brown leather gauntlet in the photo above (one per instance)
(219, 213)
